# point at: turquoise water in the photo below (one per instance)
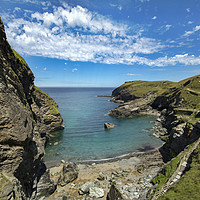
(84, 136)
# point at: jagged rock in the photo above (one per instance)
(68, 174)
(96, 192)
(23, 111)
(114, 193)
(109, 125)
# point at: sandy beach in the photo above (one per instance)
(134, 172)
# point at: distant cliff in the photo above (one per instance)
(177, 105)
(177, 102)
(27, 115)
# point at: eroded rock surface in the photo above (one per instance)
(26, 117)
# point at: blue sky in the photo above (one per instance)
(93, 43)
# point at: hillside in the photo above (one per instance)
(177, 106)
(27, 115)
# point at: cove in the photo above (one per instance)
(84, 136)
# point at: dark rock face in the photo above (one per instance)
(23, 111)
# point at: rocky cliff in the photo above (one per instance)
(177, 105)
(26, 116)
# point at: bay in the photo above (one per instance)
(84, 136)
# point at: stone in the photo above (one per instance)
(96, 192)
(85, 187)
(63, 161)
(68, 174)
(109, 125)
(101, 177)
(45, 186)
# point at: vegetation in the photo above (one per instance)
(183, 97)
(20, 59)
(189, 186)
(48, 101)
(142, 88)
(169, 169)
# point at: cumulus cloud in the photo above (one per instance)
(75, 69)
(154, 17)
(76, 34)
(188, 33)
(44, 69)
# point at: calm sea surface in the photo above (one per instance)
(84, 136)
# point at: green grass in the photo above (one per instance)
(142, 88)
(189, 186)
(53, 106)
(20, 59)
(164, 176)
(168, 170)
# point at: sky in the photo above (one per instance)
(104, 43)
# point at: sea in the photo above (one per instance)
(85, 138)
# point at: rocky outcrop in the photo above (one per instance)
(26, 115)
(68, 174)
(176, 104)
(109, 125)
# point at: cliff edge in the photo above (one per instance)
(26, 116)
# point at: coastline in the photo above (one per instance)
(141, 167)
(52, 164)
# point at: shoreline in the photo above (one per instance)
(52, 164)
(135, 170)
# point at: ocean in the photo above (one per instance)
(84, 136)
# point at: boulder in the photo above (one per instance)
(96, 192)
(68, 174)
(109, 125)
(85, 187)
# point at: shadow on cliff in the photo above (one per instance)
(30, 170)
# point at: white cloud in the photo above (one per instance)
(190, 22)
(119, 7)
(144, 1)
(75, 69)
(76, 34)
(188, 33)
(188, 10)
(154, 17)
(129, 74)
(50, 35)
(168, 27)
(44, 69)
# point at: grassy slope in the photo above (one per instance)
(189, 186)
(142, 88)
(183, 96)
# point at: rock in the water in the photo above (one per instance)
(109, 125)
(68, 174)
(96, 192)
